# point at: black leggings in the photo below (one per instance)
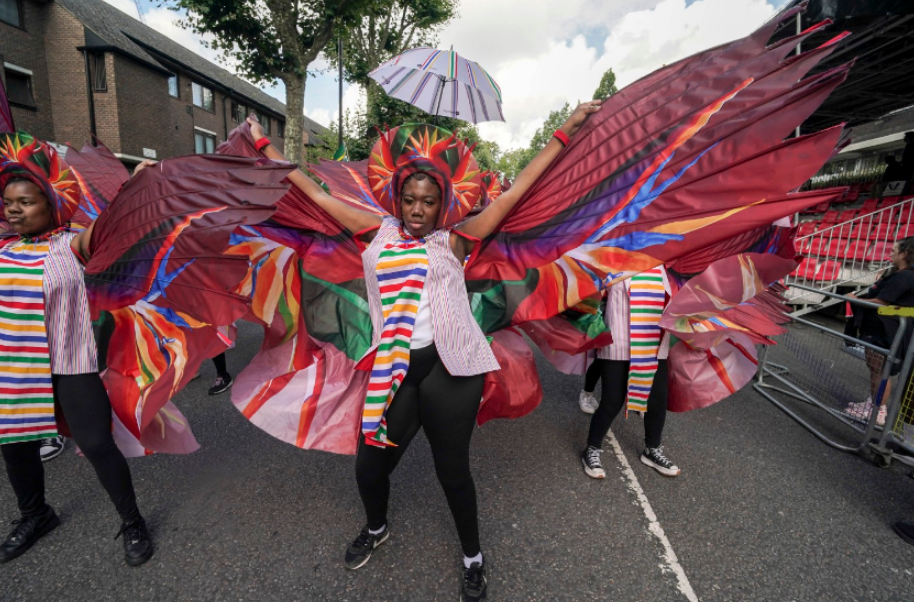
(84, 402)
(592, 376)
(445, 407)
(219, 363)
(614, 383)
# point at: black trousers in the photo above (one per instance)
(592, 376)
(445, 407)
(84, 402)
(614, 382)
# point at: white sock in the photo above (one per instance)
(467, 561)
(377, 531)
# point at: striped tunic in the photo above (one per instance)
(26, 387)
(618, 319)
(461, 344)
(69, 323)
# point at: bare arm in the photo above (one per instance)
(483, 224)
(349, 217)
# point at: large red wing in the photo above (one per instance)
(162, 238)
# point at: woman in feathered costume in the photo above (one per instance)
(153, 258)
(430, 354)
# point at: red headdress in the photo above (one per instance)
(21, 155)
(411, 148)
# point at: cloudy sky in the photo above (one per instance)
(542, 52)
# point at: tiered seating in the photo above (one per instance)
(852, 243)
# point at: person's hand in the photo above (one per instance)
(143, 165)
(580, 114)
(256, 129)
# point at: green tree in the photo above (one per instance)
(607, 86)
(386, 29)
(486, 153)
(273, 40)
(515, 160)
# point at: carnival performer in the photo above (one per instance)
(49, 358)
(431, 355)
(634, 369)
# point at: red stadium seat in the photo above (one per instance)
(836, 248)
(806, 269)
(882, 231)
(817, 246)
(806, 228)
(831, 217)
(846, 216)
(857, 250)
(905, 231)
(882, 251)
(869, 206)
(889, 201)
(828, 271)
(852, 196)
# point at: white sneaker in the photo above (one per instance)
(588, 402)
(860, 411)
(51, 447)
(653, 457)
(881, 415)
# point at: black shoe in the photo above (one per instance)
(905, 530)
(52, 447)
(359, 551)
(223, 383)
(474, 583)
(590, 458)
(653, 457)
(26, 532)
(137, 544)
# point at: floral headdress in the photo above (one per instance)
(412, 148)
(21, 155)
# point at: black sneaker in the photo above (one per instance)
(590, 458)
(223, 383)
(905, 530)
(52, 447)
(359, 551)
(26, 532)
(474, 583)
(137, 544)
(653, 457)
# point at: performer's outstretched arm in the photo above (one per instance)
(349, 217)
(485, 223)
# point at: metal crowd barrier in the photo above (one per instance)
(897, 441)
(815, 372)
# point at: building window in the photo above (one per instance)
(19, 86)
(264, 121)
(10, 12)
(239, 112)
(204, 141)
(203, 97)
(100, 77)
(281, 128)
(173, 86)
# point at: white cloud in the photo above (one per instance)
(553, 70)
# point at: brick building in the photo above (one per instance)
(75, 67)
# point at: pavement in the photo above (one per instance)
(762, 511)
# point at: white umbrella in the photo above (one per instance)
(441, 83)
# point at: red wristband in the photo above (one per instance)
(263, 142)
(562, 137)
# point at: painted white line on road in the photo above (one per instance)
(669, 556)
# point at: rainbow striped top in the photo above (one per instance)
(26, 388)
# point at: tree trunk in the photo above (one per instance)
(295, 106)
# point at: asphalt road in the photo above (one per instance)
(762, 511)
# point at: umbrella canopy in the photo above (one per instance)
(441, 83)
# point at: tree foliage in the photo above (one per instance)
(273, 40)
(513, 161)
(607, 86)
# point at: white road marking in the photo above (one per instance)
(669, 556)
